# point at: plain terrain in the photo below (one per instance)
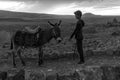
(98, 36)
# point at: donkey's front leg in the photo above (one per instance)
(40, 56)
(13, 53)
(19, 54)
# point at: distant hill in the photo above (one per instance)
(10, 14)
(7, 15)
(88, 15)
(92, 18)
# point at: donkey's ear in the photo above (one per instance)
(59, 22)
(50, 23)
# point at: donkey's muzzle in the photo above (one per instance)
(59, 39)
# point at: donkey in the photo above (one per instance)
(21, 40)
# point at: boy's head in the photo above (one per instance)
(78, 14)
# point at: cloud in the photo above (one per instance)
(108, 3)
(13, 5)
(108, 11)
(22, 6)
(62, 6)
(69, 9)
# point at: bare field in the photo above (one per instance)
(97, 37)
(100, 38)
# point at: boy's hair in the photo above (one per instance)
(78, 12)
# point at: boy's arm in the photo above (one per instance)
(73, 33)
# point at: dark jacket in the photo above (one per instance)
(78, 30)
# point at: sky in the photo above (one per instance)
(63, 7)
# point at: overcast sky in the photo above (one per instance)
(63, 7)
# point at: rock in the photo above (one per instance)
(92, 73)
(104, 72)
(3, 75)
(36, 75)
(16, 74)
(108, 73)
(100, 72)
(52, 77)
(20, 75)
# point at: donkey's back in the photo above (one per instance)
(26, 39)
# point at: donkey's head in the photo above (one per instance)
(56, 30)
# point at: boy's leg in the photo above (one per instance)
(80, 50)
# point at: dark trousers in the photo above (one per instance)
(80, 49)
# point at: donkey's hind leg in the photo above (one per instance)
(19, 54)
(40, 56)
(13, 53)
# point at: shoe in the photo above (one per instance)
(81, 62)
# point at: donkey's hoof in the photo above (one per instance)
(24, 64)
(40, 63)
(14, 66)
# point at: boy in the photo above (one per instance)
(78, 35)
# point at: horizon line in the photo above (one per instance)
(58, 14)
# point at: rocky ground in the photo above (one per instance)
(64, 67)
(102, 59)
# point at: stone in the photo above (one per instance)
(20, 75)
(98, 72)
(52, 77)
(3, 75)
(110, 72)
(36, 75)
(92, 73)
